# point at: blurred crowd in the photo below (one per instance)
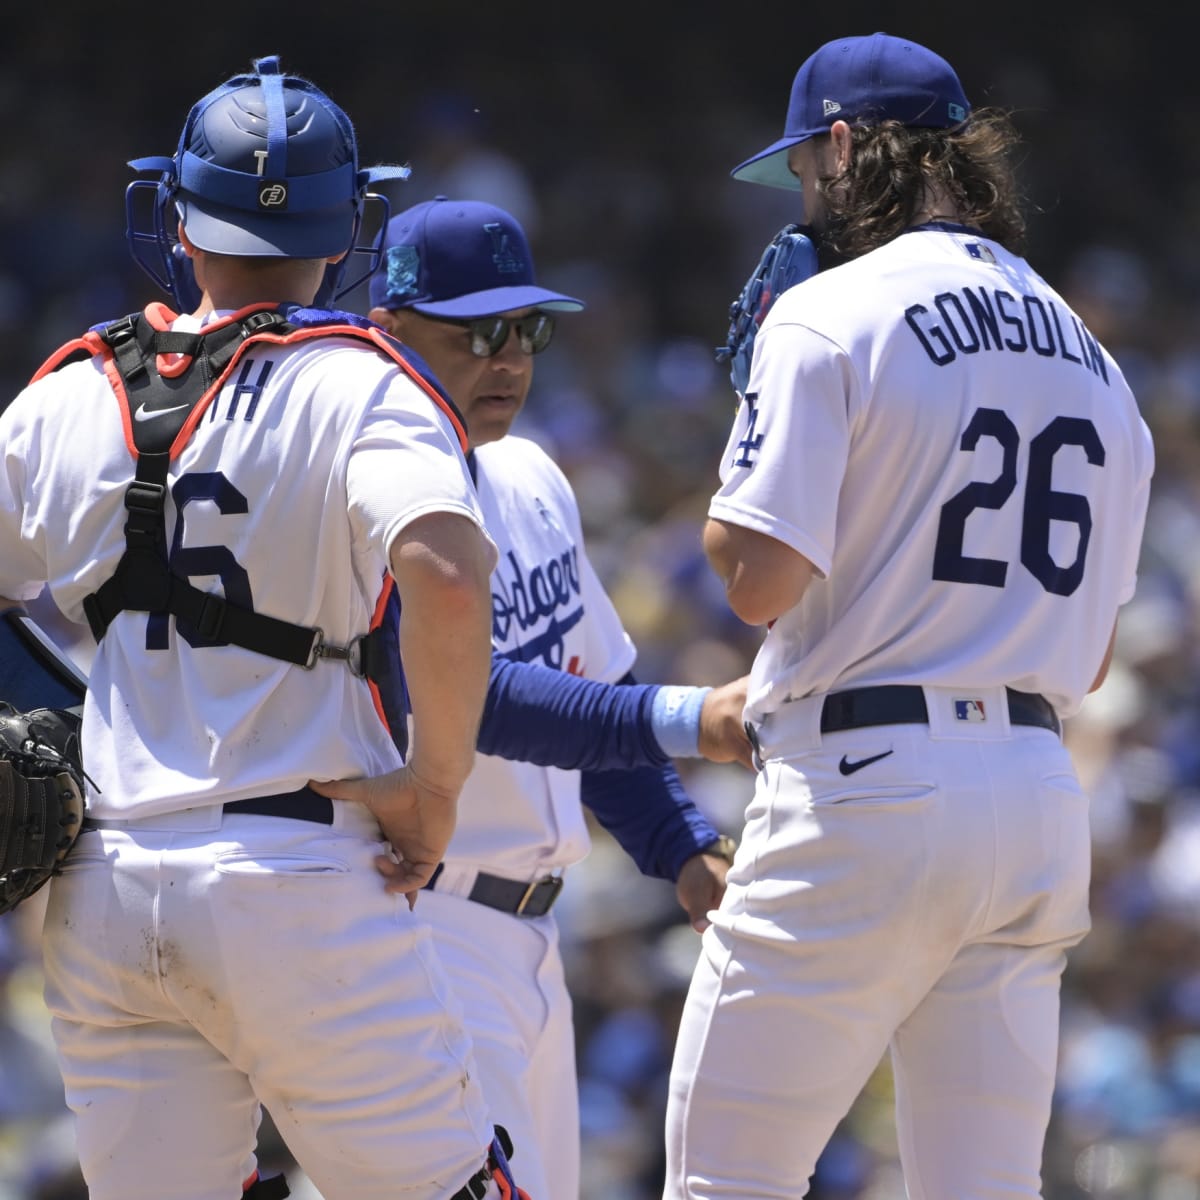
(629, 206)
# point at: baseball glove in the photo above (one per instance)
(41, 797)
(790, 258)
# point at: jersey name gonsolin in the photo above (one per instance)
(969, 320)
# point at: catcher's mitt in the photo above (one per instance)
(790, 258)
(41, 797)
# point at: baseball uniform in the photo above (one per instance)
(189, 953)
(941, 437)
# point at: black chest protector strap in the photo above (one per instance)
(158, 408)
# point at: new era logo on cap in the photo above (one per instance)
(830, 107)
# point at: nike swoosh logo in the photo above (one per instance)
(848, 768)
(142, 413)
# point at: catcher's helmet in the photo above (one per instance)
(267, 165)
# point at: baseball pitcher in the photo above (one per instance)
(932, 500)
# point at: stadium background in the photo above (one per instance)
(610, 131)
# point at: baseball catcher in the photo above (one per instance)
(41, 797)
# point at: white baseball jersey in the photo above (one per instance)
(179, 938)
(161, 723)
(1006, 456)
(548, 607)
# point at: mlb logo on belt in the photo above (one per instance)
(969, 710)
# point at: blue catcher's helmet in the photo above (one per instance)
(267, 165)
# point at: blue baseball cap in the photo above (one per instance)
(862, 81)
(459, 258)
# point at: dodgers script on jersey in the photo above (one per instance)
(287, 416)
(547, 607)
(1009, 457)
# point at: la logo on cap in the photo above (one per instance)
(504, 255)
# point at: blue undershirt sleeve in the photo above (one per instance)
(651, 816)
(541, 715)
(537, 714)
(648, 811)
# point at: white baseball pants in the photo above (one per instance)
(507, 973)
(923, 902)
(197, 963)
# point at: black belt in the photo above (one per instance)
(904, 704)
(301, 805)
(534, 899)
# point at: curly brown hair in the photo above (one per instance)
(894, 168)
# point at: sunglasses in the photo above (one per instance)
(489, 334)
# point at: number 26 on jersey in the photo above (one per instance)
(1041, 504)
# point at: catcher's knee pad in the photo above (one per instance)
(270, 1187)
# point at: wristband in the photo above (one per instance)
(675, 719)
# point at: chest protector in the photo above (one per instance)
(176, 375)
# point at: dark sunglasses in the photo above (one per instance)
(489, 334)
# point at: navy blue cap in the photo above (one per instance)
(862, 81)
(459, 258)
